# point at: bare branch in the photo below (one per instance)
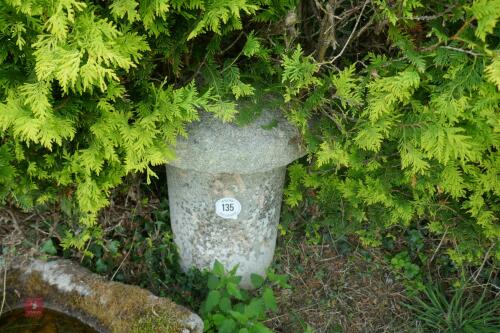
(462, 50)
(327, 30)
(352, 33)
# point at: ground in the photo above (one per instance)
(337, 286)
(334, 292)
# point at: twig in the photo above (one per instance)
(14, 222)
(462, 28)
(328, 259)
(333, 119)
(286, 314)
(124, 258)
(486, 256)
(432, 17)
(461, 50)
(327, 29)
(352, 34)
(456, 36)
(366, 26)
(232, 44)
(4, 296)
(439, 245)
(86, 249)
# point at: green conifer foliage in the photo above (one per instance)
(81, 105)
(397, 102)
(411, 138)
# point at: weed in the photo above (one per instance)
(228, 308)
(460, 313)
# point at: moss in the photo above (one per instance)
(155, 323)
(124, 311)
(113, 306)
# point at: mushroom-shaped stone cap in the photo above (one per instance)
(215, 147)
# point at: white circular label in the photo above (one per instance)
(228, 208)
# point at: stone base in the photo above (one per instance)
(246, 239)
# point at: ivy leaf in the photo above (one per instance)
(101, 266)
(49, 248)
(114, 246)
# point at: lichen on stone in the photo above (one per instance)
(105, 305)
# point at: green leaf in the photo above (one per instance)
(255, 308)
(120, 8)
(223, 110)
(387, 93)
(219, 13)
(347, 87)
(260, 328)
(298, 73)
(269, 299)
(227, 326)
(240, 317)
(241, 89)
(332, 153)
(49, 248)
(113, 246)
(213, 282)
(225, 304)
(493, 71)
(487, 13)
(101, 266)
(212, 300)
(218, 269)
(252, 45)
(256, 280)
(234, 290)
(218, 319)
(280, 279)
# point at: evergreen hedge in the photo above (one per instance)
(397, 102)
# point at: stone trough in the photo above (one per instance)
(106, 306)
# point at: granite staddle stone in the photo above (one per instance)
(225, 190)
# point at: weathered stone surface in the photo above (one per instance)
(104, 305)
(202, 236)
(245, 165)
(216, 147)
